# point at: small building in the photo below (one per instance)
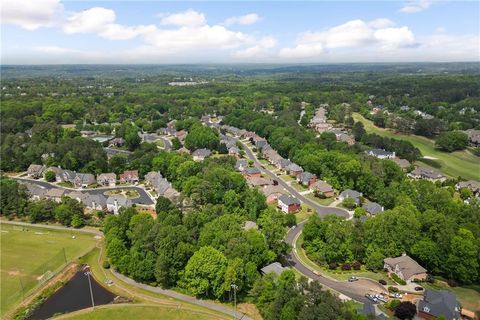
(152, 178)
(272, 193)
(83, 180)
(436, 304)
(234, 151)
(472, 185)
(107, 179)
(372, 208)
(66, 176)
(201, 154)
(426, 174)
(36, 192)
(35, 171)
(274, 267)
(294, 169)
(258, 181)
(289, 204)
(117, 142)
(55, 194)
(402, 163)
(405, 268)
(381, 154)
(251, 172)
(129, 176)
(115, 202)
(95, 202)
(241, 165)
(353, 194)
(473, 137)
(324, 189)
(307, 179)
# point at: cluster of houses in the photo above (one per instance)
(160, 185)
(91, 201)
(84, 180)
(371, 208)
(319, 123)
(473, 137)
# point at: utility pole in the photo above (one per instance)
(89, 284)
(234, 287)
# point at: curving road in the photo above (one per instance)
(355, 290)
(143, 198)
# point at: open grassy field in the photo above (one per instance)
(28, 255)
(458, 163)
(120, 312)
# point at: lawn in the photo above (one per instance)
(469, 296)
(323, 202)
(304, 214)
(120, 312)
(129, 193)
(27, 255)
(459, 163)
(297, 186)
(160, 143)
(287, 178)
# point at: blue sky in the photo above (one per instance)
(53, 31)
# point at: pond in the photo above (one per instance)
(74, 295)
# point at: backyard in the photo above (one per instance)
(458, 163)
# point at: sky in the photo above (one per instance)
(160, 32)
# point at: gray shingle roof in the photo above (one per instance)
(407, 265)
(252, 170)
(349, 193)
(288, 200)
(274, 267)
(372, 208)
(440, 303)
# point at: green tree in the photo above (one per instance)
(358, 130)
(463, 257)
(205, 273)
(451, 141)
(50, 176)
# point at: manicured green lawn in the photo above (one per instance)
(323, 202)
(287, 178)
(304, 214)
(468, 296)
(160, 143)
(27, 255)
(459, 163)
(127, 312)
(298, 187)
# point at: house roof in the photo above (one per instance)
(241, 163)
(77, 195)
(87, 178)
(252, 170)
(201, 153)
(35, 190)
(100, 200)
(401, 162)
(35, 168)
(322, 186)
(373, 207)
(152, 176)
(55, 193)
(107, 176)
(427, 173)
(349, 193)
(306, 176)
(380, 152)
(294, 167)
(288, 200)
(272, 189)
(56, 170)
(407, 265)
(470, 184)
(121, 200)
(440, 303)
(274, 267)
(258, 181)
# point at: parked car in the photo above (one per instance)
(371, 297)
(352, 279)
(316, 272)
(418, 289)
(381, 281)
(381, 298)
(397, 295)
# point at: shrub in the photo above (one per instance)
(452, 283)
(393, 289)
(398, 280)
(356, 265)
(392, 304)
(106, 264)
(346, 266)
(50, 176)
(405, 310)
(332, 266)
(383, 282)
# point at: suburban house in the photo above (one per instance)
(405, 268)
(355, 195)
(241, 165)
(115, 202)
(117, 142)
(274, 267)
(56, 170)
(36, 192)
(95, 202)
(272, 192)
(283, 164)
(181, 135)
(294, 169)
(324, 189)
(152, 178)
(381, 154)
(372, 208)
(258, 181)
(83, 180)
(439, 303)
(473, 185)
(251, 172)
(35, 171)
(183, 150)
(201, 154)
(288, 204)
(259, 142)
(402, 163)
(129, 176)
(234, 151)
(426, 174)
(473, 137)
(307, 179)
(107, 179)
(55, 194)
(77, 195)
(66, 176)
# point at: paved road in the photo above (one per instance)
(167, 144)
(355, 290)
(179, 296)
(143, 198)
(321, 210)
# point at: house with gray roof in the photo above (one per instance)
(436, 304)
(288, 204)
(77, 195)
(294, 169)
(306, 179)
(473, 185)
(274, 267)
(83, 180)
(36, 192)
(426, 174)
(35, 171)
(381, 154)
(283, 164)
(95, 202)
(241, 165)
(405, 268)
(66, 176)
(372, 208)
(115, 202)
(55, 194)
(201, 154)
(353, 194)
(152, 178)
(107, 179)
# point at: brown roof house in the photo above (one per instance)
(35, 171)
(405, 268)
(473, 185)
(251, 172)
(55, 194)
(129, 176)
(324, 189)
(272, 192)
(107, 179)
(294, 169)
(307, 179)
(83, 180)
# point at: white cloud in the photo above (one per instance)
(31, 14)
(395, 37)
(247, 19)
(259, 50)
(381, 23)
(302, 51)
(54, 50)
(416, 6)
(189, 18)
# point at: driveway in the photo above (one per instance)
(166, 143)
(143, 198)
